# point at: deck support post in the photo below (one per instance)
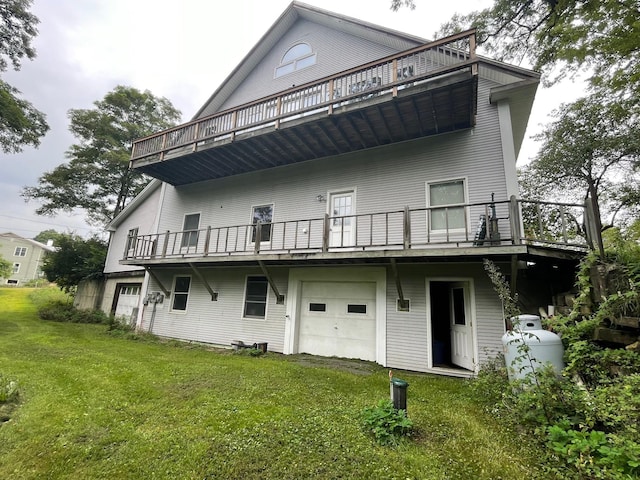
(214, 295)
(514, 276)
(279, 297)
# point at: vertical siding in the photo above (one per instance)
(325, 42)
(407, 345)
(143, 218)
(219, 322)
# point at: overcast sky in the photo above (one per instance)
(181, 50)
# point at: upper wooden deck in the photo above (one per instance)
(424, 91)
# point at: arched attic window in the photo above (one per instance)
(296, 58)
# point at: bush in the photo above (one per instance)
(387, 424)
(57, 311)
(593, 453)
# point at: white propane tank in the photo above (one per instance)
(544, 347)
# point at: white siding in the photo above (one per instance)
(325, 42)
(219, 322)
(407, 345)
(143, 218)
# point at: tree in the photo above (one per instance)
(591, 150)
(97, 177)
(601, 35)
(20, 123)
(398, 4)
(49, 234)
(75, 260)
(5, 268)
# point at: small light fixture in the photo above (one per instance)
(320, 198)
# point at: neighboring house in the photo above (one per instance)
(26, 257)
(337, 195)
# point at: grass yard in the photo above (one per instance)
(94, 405)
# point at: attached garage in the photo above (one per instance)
(338, 319)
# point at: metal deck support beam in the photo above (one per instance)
(279, 297)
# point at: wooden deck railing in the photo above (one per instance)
(499, 223)
(388, 75)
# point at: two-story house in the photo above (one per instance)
(337, 195)
(25, 255)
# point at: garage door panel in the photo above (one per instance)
(326, 325)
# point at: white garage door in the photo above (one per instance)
(128, 298)
(338, 319)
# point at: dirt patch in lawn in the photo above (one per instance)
(357, 367)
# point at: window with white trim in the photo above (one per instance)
(263, 215)
(16, 267)
(20, 252)
(181, 286)
(296, 58)
(190, 230)
(449, 195)
(255, 297)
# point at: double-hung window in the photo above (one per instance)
(190, 230)
(449, 198)
(255, 297)
(20, 252)
(16, 268)
(181, 287)
(263, 215)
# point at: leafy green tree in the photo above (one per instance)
(564, 36)
(5, 268)
(74, 260)
(20, 123)
(97, 178)
(49, 234)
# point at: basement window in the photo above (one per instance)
(255, 297)
(181, 287)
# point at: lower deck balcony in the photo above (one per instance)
(508, 227)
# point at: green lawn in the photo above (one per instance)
(95, 405)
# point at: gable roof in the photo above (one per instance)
(12, 237)
(295, 11)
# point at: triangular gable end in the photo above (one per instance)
(336, 43)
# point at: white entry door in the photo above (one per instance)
(461, 328)
(341, 223)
